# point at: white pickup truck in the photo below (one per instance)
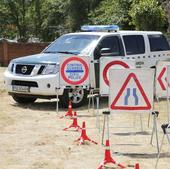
(31, 77)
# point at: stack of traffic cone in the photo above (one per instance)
(74, 123)
(84, 136)
(108, 159)
(137, 166)
(69, 112)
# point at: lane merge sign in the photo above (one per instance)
(74, 71)
(133, 90)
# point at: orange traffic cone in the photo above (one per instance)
(137, 166)
(84, 136)
(69, 112)
(74, 123)
(108, 159)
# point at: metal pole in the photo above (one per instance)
(156, 130)
(149, 119)
(153, 129)
(106, 114)
(108, 135)
(57, 100)
(97, 115)
(167, 88)
(93, 101)
(167, 136)
(104, 121)
(159, 151)
(89, 103)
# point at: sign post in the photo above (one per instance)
(168, 84)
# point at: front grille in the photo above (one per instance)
(24, 83)
(24, 69)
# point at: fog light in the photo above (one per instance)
(48, 85)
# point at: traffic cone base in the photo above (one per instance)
(69, 112)
(108, 159)
(74, 124)
(137, 166)
(84, 138)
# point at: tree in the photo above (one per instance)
(147, 15)
(7, 28)
(78, 11)
(18, 14)
(112, 12)
(55, 21)
(166, 5)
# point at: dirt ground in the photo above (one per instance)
(32, 137)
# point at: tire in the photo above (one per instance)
(23, 100)
(78, 96)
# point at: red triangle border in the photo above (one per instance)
(148, 105)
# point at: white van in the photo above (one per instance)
(31, 77)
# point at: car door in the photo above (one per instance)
(114, 44)
(135, 48)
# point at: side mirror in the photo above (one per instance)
(105, 51)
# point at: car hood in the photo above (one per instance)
(40, 58)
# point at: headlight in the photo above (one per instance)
(51, 69)
(10, 67)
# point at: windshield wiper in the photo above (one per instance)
(49, 52)
(66, 52)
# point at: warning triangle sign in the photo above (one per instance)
(124, 88)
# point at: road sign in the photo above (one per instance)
(107, 63)
(133, 90)
(161, 79)
(74, 71)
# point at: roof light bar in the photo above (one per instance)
(91, 28)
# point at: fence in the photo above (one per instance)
(11, 50)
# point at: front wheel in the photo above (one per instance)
(77, 96)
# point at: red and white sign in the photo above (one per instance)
(74, 71)
(161, 79)
(107, 63)
(133, 90)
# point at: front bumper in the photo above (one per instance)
(47, 84)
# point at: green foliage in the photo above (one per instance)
(112, 12)
(77, 13)
(55, 20)
(48, 19)
(16, 15)
(6, 25)
(147, 15)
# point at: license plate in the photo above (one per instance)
(24, 89)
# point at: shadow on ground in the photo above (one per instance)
(51, 105)
(143, 155)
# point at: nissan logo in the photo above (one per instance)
(24, 69)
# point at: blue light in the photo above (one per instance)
(91, 28)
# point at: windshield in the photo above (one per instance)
(73, 44)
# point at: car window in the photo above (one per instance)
(158, 43)
(134, 44)
(111, 42)
(76, 44)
